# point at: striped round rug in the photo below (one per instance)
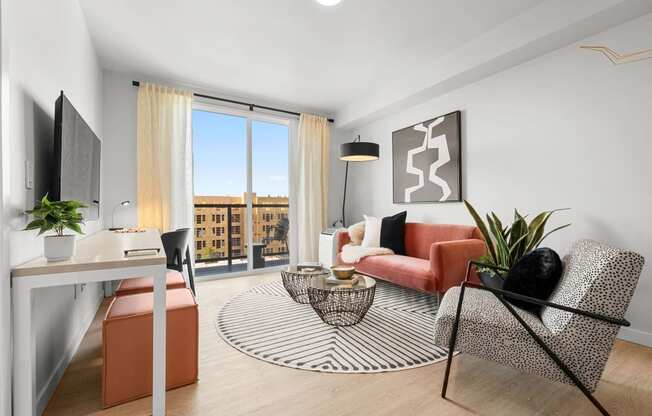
(396, 334)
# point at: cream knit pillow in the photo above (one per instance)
(356, 233)
(371, 232)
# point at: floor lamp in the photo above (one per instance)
(356, 151)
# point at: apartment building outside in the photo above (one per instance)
(222, 227)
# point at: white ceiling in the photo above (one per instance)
(293, 52)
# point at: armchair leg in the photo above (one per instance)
(550, 353)
(453, 339)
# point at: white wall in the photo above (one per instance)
(568, 129)
(336, 179)
(49, 49)
(120, 148)
(5, 288)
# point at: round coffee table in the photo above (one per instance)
(341, 303)
(296, 278)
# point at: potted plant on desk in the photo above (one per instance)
(57, 216)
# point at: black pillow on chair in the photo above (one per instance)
(536, 275)
(392, 233)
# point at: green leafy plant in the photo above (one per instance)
(56, 215)
(507, 244)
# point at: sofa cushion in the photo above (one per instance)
(371, 232)
(392, 233)
(402, 270)
(356, 233)
(419, 237)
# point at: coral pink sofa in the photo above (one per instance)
(437, 255)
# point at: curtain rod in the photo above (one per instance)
(250, 105)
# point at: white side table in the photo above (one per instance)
(328, 246)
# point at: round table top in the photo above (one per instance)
(317, 271)
(331, 283)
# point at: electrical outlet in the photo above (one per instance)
(29, 175)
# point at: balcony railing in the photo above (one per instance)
(221, 234)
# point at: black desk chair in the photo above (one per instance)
(176, 245)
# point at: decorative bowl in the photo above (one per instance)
(343, 272)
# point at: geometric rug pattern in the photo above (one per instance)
(396, 334)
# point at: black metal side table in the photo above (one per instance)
(341, 303)
(296, 279)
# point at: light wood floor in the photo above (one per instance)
(232, 383)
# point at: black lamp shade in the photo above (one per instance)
(359, 151)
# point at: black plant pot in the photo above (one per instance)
(491, 279)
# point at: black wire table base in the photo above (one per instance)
(296, 283)
(341, 307)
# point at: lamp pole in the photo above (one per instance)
(355, 151)
(346, 179)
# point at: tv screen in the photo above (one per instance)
(76, 159)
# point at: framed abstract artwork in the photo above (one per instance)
(427, 161)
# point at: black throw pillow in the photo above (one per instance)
(536, 275)
(392, 233)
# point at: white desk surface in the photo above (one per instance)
(102, 250)
(98, 257)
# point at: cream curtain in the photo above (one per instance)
(164, 157)
(310, 183)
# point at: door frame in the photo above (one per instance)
(250, 117)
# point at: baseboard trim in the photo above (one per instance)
(636, 336)
(49, 388)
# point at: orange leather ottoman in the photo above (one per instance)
(127, 345)
(174, 280)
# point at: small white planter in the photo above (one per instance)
(59, 248)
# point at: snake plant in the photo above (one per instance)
(507, 244)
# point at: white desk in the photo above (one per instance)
(98, 258)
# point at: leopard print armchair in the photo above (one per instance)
(597, 279)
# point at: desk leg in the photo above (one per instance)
(24, 367)
(158, 365)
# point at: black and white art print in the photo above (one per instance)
(427, 161)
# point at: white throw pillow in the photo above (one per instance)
(371, 232)
(356, 233)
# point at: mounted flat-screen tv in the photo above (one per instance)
(77, 152)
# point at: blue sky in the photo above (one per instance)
(220, 155)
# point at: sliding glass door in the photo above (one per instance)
(269, 171)
(241, 191)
